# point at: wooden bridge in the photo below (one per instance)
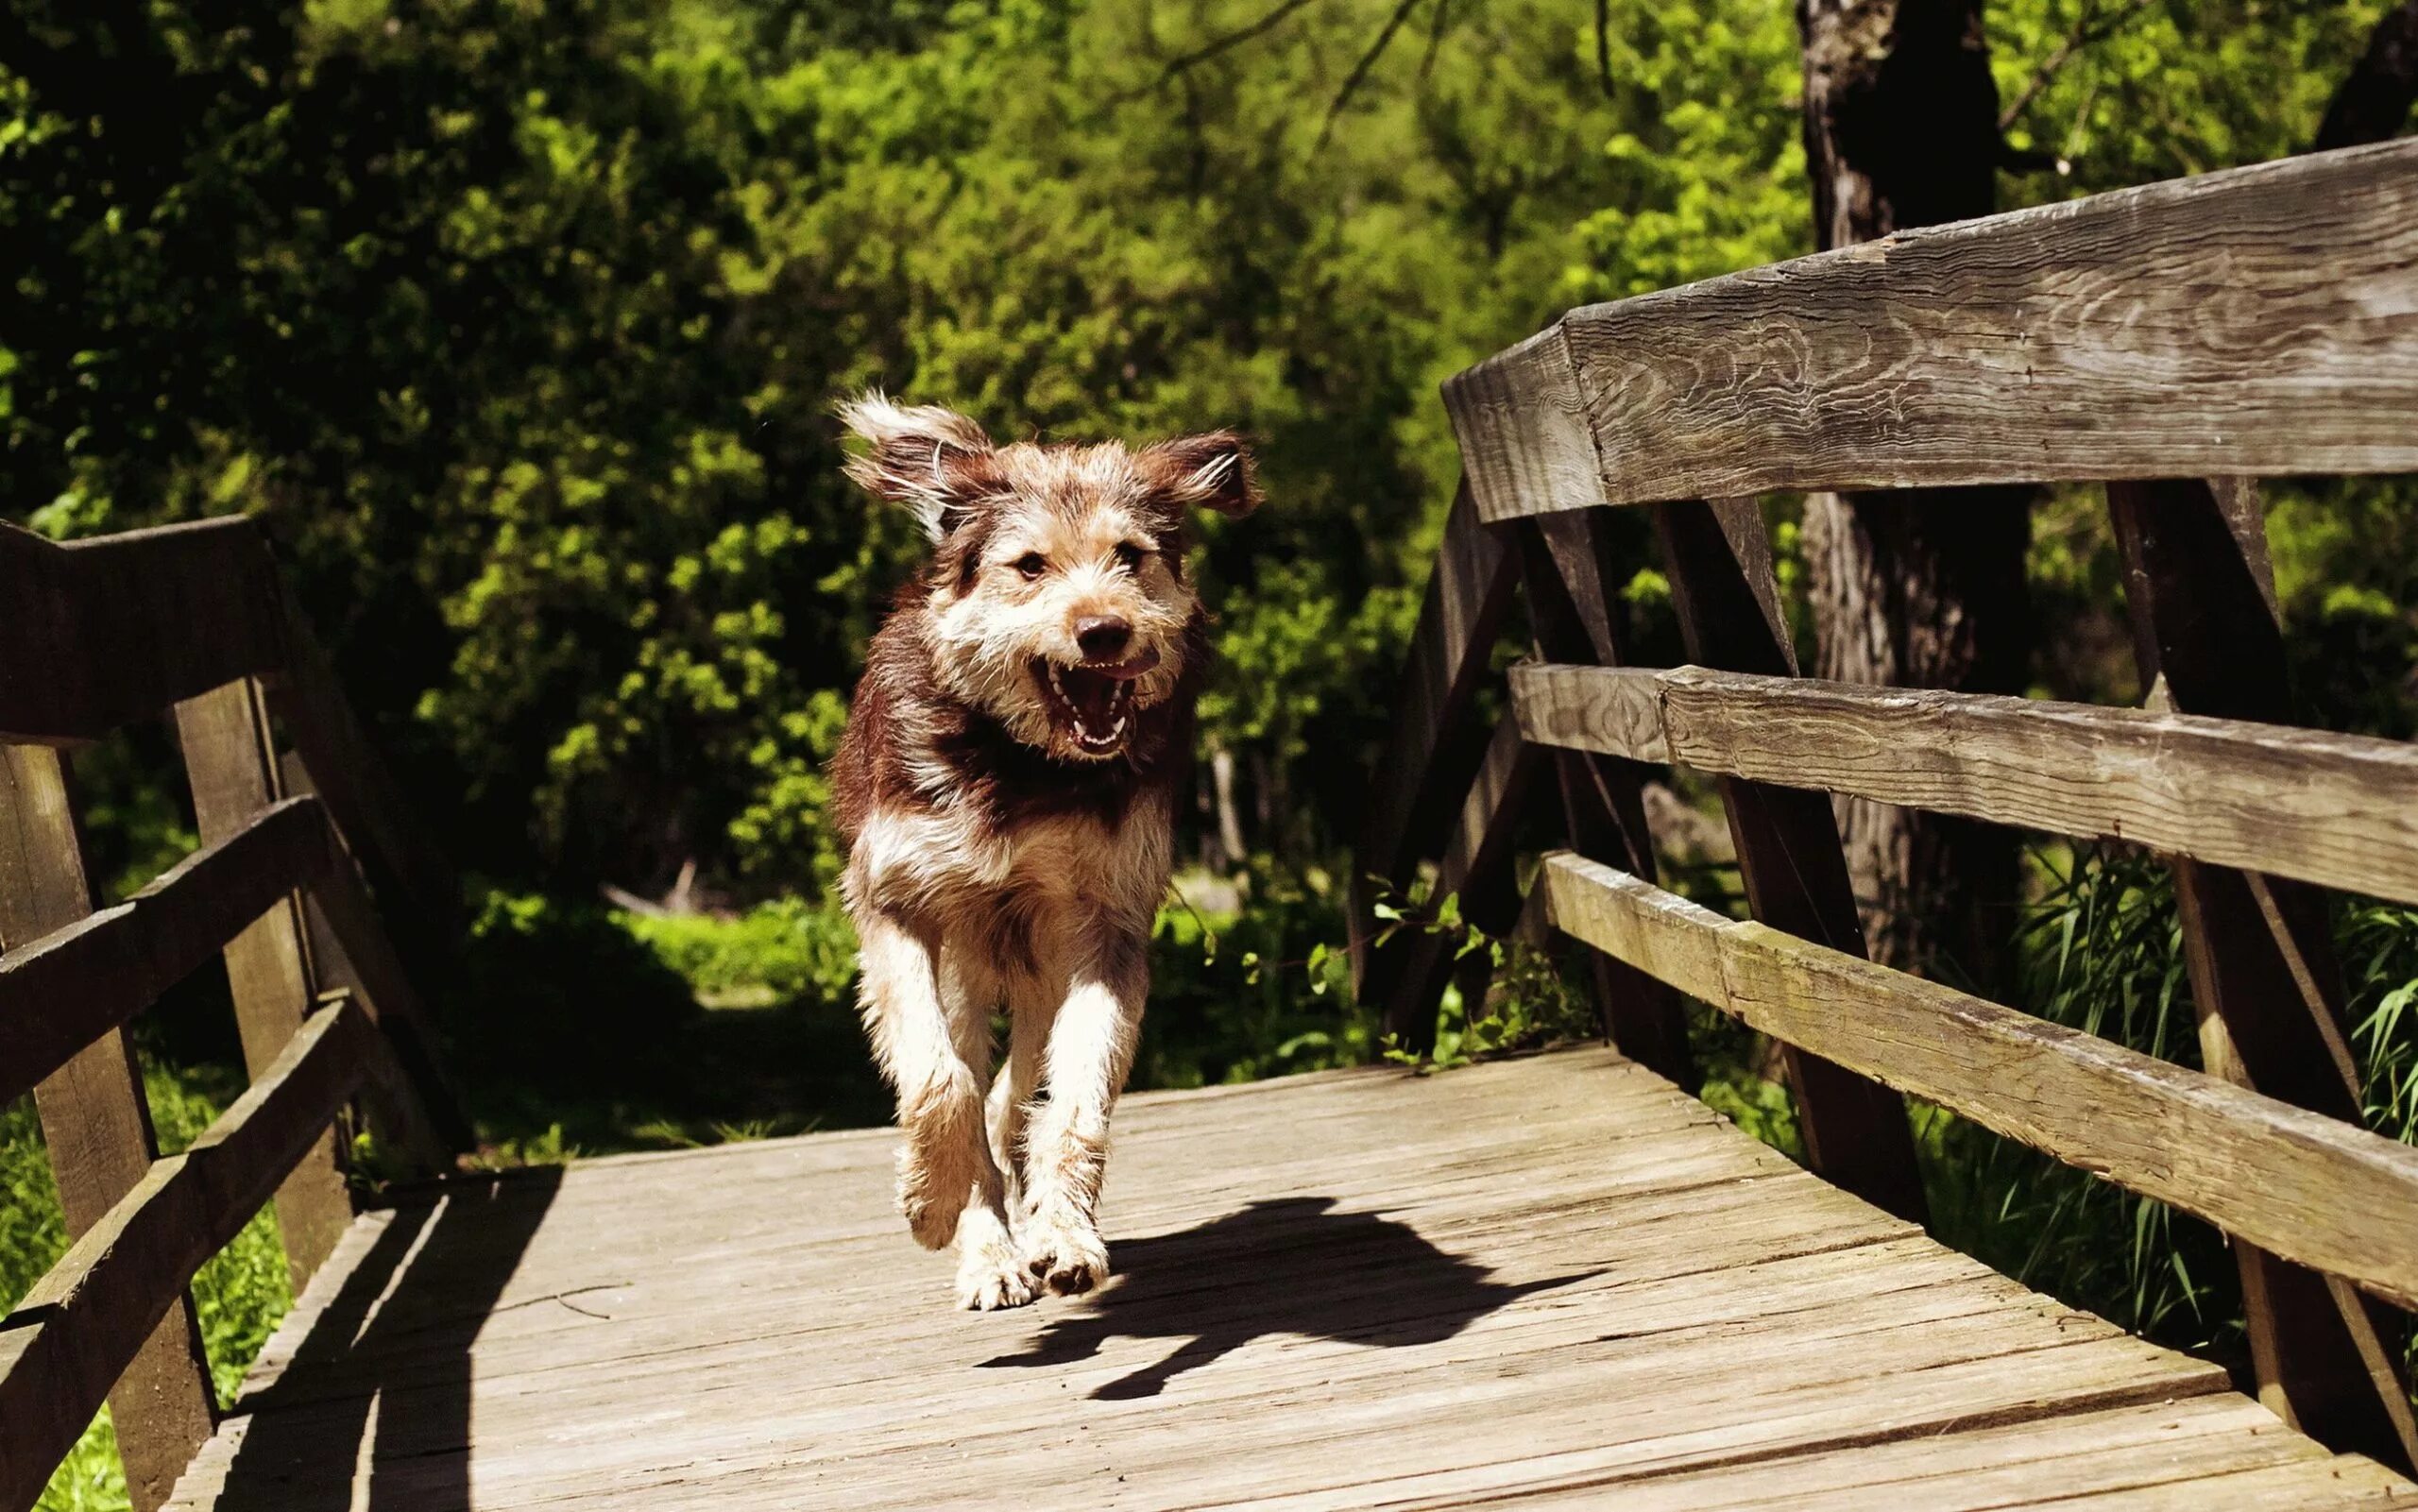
(1554, 1280)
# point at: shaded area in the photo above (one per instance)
(384, 1373)
(1282, 1266)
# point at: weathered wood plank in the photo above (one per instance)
(1436, 738)
(2040, 346)
(1719, 560)
(97, 1123)
(2260, 950)
(2337, 809)
(2323, 1192)
(75, 1330)
(232, 767)
(1306, 1268)
(118, 628)
(75, 984)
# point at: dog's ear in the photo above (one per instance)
(933, 461)
(1210, 471)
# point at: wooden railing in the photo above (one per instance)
(2170, 342)
(194, 623)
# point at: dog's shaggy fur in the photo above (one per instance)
(1006, 788)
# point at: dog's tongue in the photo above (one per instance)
(1093, 696)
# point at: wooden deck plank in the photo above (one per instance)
(1553, 1280)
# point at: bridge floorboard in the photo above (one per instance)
(1552, 1281)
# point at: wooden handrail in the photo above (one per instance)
(193, 621)
(107, 631)
(2311, 1188)
(119, 628)
(2263, 320)
(2175, 341)
(2340, 810)
(62, 992)
(75, 1331)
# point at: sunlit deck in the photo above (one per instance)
(1554, 1280)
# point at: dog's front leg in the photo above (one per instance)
(1090, 1050)
(934, 1041)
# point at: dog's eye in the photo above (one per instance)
(1131, 555)
(1033, 564)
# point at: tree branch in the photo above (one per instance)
(1604, 45)
(1360, 69)
(2089, 27)
(1176, 67)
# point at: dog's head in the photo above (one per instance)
(1057, 600)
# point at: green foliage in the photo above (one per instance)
(782, 950)
(595, 1030)
(1251, 990)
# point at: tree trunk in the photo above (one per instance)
(1919, 588)
(2373, 103)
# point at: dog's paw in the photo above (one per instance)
(931, 1214)
(1065, 1254)
(990, 1278)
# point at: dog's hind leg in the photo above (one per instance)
(1090, 1050)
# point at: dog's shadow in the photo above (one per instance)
(1288, 1266)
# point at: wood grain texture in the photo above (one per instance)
(72, 1336)
(97, 1123)
(2319, 1191)
(230, 765)
(1643, 1306)
(2336, 809)
(1437, 738)
(68, 987)
(1526, 444)
(2262, 320)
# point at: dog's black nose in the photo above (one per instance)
(1103, 636)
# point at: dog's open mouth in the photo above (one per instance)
(1093, 701)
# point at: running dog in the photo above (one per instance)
(1007, 789)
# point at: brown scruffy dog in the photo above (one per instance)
(1007, 791)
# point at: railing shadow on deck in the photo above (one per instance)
(1284, 1266)
(394, 1424)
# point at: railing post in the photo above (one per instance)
(1439, 738)
(97, 1126)
(1564, 566)
(1476, 867)
(1718, 555)
(2259, 950)
(230, 764)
